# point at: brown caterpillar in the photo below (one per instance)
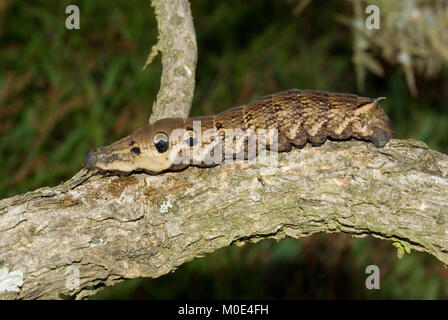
(277, 122)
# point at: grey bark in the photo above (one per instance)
(113, 228)
(177, 41)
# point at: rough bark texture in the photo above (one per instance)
(177, 41)
(115, 228)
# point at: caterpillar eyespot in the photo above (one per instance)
(161, 142)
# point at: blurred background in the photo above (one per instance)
(64, 92)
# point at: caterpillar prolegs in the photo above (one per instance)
(277, 122)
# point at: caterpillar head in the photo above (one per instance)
(153, 149)
(374, 124)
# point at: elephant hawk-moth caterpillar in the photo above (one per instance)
(277, 122)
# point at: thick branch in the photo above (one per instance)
(177, 41)
(115, 228)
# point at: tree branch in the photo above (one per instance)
(112, 228)
(177, 41)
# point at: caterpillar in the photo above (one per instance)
(276, 122)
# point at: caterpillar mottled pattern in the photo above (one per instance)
(295, 116)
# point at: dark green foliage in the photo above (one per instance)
(63, 92)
